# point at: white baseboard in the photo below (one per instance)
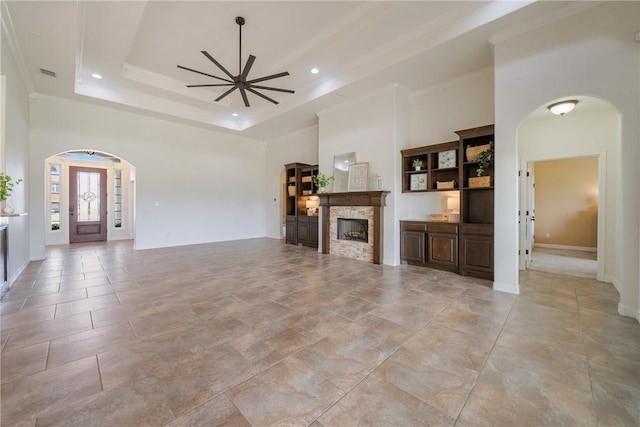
(629, 311)
(507, 287)
(565, 247)
(17, 273)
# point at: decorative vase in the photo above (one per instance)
(418, 168)
(8, 210)
(322, 190)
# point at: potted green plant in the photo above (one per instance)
(321, 182)
(6, 188)
(485, 161)
(417, 164)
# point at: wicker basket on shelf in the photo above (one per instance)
(473, 151)
(479, 181)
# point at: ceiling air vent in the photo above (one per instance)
(47, 72)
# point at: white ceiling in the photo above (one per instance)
(357, 45)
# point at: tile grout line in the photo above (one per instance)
(484, 363)
(99, 373)
(413, 333)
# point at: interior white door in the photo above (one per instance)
(530, 214)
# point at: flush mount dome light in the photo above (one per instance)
(563, 107)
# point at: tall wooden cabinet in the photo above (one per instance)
(465, 247)
(301, 229)
(476, 208)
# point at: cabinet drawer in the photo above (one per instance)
(443, 228)
(478, 229)
(413, 226)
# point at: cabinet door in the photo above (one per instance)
(476, 254)
(413, 247)
(303, 233)
(313, 232)
(292, 232)
(443, 249)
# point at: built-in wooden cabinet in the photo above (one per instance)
(476, 208)
(300, 228)
(429, 244)
(469, 249)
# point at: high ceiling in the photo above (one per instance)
(357, 46)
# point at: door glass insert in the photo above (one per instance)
(88, 196)
(54, 196)
(117, 198)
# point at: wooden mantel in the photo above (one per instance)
(375, 199)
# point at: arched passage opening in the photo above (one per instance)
(89, 196)
(575, 210)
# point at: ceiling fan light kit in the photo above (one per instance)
(240, 81)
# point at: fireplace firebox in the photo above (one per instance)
(356, 230)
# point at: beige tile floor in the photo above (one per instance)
(260, 333)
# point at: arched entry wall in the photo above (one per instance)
(120, 193)
(592, 129)
(592, 52)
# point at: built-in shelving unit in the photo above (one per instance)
(472, 238)
(439, 171)
(301, 229)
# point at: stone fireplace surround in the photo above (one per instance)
(374, 202)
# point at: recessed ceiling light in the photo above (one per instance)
(234, 114)
(96, 76)
(314, 71)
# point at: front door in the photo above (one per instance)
(87, 204)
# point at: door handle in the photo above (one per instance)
(71, 210)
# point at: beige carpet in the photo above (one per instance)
(565, 262)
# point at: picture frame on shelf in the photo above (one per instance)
(447, 159)
(418, 182)
(358, 177)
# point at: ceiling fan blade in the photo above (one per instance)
(204, 52)
(262, 96)
(244, 97)
(273, 76)
(273, 88)
(226, 93)
(221, 84)
(205, 74)
(247, 67)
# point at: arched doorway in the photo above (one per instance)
(589, 135)
(89, 196)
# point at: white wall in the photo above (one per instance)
(14, 160)
(371, 126)
(297, 147)
(436, 114)
(591, 53)
(208, 186)
(582, 135)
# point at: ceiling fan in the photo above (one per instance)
(240, 81)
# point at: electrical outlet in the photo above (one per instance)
(547, 235)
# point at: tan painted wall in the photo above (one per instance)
(566, 202)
